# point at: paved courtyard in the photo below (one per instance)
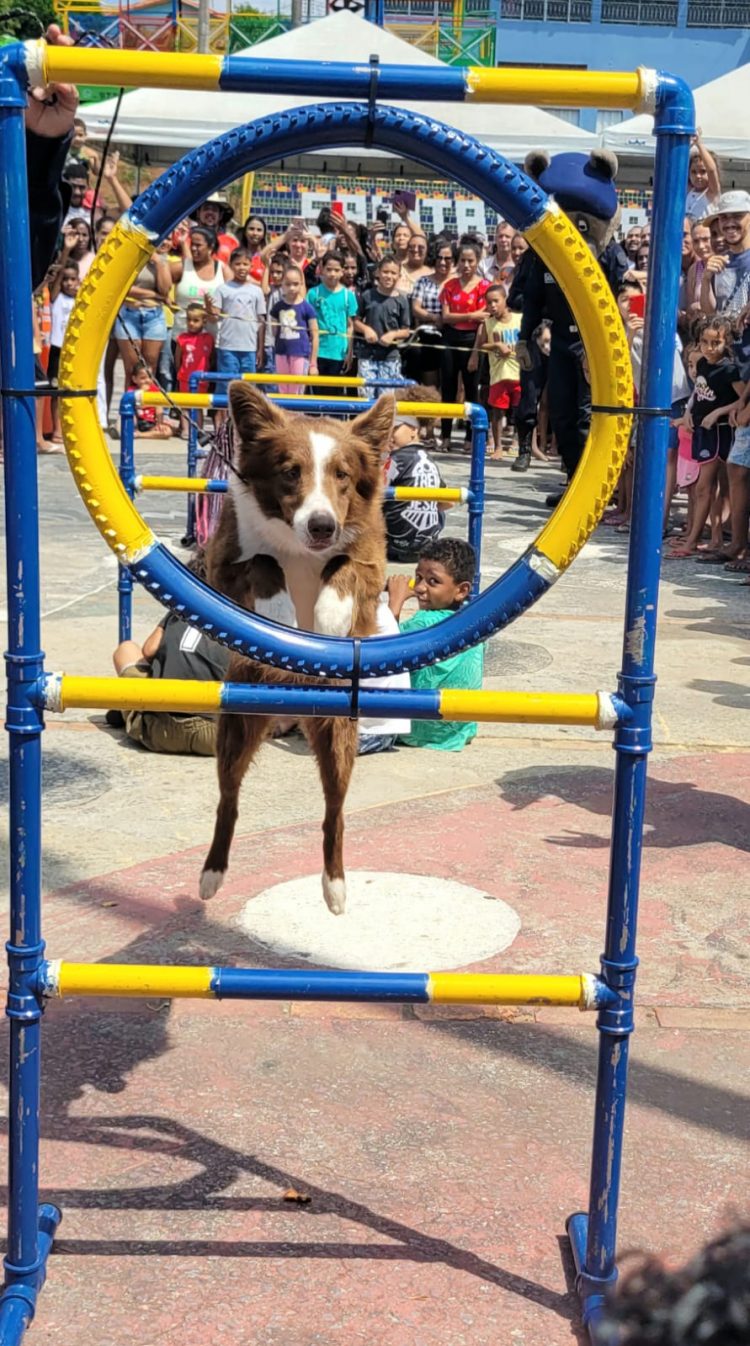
(441, 1148)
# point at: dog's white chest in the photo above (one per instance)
(259, 535)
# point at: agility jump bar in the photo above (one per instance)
(584, 991)
(220, 486)
(351, 405)
(341, 79)
(595, 710)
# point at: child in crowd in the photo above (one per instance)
(384, 317)
(61, 309)
(172, 650)
(272, 287)
(531, 412)
(295, 326)
(241, 306)
(150, 422)
(497, 335)
(444, 576)
(410, 524)
(193, 352)
(335, 308)
(718, 391)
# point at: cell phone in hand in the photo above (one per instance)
(337, 208)
(298, 222)
(406, 199)
(637, 305)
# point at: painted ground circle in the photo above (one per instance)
(393, 922)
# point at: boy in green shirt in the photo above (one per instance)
(335, 309)
(443, 580)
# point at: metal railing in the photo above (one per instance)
(653, 13)
(551, 11)
(718, 14)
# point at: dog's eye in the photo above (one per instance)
(341, 475)
(291, 475)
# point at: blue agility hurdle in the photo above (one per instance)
(32, 690)
(473, 495)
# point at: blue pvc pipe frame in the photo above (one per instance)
(321, 406)
(592, 1235)
(193, 448)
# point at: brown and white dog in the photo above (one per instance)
(301, 541)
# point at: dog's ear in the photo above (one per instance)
(375, 426)
(253, 413)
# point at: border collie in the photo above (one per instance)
(301, 540)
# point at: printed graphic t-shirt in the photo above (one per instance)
(732, 285)
(290, 326)
(410, 524)
(504, 368)
(243, 305)
(333, 309)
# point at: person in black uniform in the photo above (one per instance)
(583, 186)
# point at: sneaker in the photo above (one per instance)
(521, 463)
(553, 500)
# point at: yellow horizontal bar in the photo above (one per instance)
(207, 400)
(180, 696)
(173, 483)
(123, 979)
(521, 707)
(467, 988)
(430, 493)
(131, 69)
(557, 88)
(314, 380)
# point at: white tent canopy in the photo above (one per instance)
(177, 120)
(722, 111)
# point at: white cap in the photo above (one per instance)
(730, 203)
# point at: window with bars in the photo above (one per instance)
(653, 13)
(718, 14)
(553, 11)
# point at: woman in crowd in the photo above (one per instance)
(517, 248)
(141, 329)
(498, 267)
(415, 266)
(76, 248)
(700, 235)
(423, 361)
(254, 237)
(462, 310)
(195, 274)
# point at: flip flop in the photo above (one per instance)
(738, 567)
(713, 558)
(678, 554)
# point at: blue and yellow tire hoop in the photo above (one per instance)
(175, 195)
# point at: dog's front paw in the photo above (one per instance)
(334, 892)
(210, 883)
(333, 612)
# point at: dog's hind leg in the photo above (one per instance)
(334, 743)
(237, 741)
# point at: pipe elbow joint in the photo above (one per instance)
(675, 106)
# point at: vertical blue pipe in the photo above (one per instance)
(194, 381)
(476, 486)
(127, 477)
(596, 1256)
(25, 667)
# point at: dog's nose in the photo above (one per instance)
(321, 527)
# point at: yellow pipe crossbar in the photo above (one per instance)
(206, 400)
(168, 70)
(172, 483)
(594, 710)
(199, 484)
(314, 380)
(133, 980)
(560, 88)
(486, 988)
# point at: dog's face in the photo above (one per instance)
(319, 477)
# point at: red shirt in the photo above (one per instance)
(460, 300)
(145, 415)
(197, 349)
(226, 246)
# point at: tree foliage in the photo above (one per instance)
(25, 18)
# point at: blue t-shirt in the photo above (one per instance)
(462, 670)
(334, 310)
(292, 334)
